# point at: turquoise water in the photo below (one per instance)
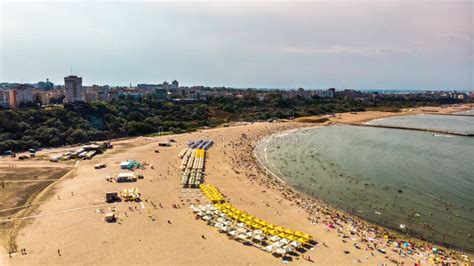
(387, 176)
(458, 124)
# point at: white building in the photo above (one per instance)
(74, 92)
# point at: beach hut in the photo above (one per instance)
(125, 177)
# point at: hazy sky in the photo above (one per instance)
(354, 44)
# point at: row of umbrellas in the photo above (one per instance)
(234, 213)
(257, 223)
(239, 231)
(212, 193)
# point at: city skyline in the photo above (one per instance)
(399, 45)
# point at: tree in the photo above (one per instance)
(78, 136)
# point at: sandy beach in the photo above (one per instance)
(68, 227)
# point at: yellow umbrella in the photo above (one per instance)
(273, 232)
(302, 240)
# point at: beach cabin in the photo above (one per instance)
(126, 177)
(126, 165)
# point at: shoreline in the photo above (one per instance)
(394, 233)
(233, 152)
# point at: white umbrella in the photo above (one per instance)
(233, 233)
(295, 244)
(219, 225)
(270, 248)
(225, 229)
(228, 223)
(275, 238)
(201, 214)
(242, 230)
(206, 218)
(258, 232)
(258, 237)
(221, 220)
(241, 225)
(288, 248)
(250, 234)
(281, 251)
(243, 237)
(285, 241)
(277, 244)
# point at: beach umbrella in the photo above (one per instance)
(295, 244)
(277, 244)
(200, 213)
(225, 229)
(284, 241)
(243, 236)
(273, 232)
(281, 251)
(298, 233)
(302, 240)
(241, 225)
(288, 231)
(279, 228)
(242, 230)
(233, 233)
(206, 218)
(270, 248)
(275, 238)
(258, 232)
(258, 237)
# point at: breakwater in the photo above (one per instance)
(412, 128)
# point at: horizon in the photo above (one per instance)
(388, 46)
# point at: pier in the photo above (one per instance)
(411, 128)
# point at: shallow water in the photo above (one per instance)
(388, 176)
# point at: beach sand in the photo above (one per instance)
(69, 229)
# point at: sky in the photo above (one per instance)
(259, 44)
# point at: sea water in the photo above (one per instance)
(391, 177)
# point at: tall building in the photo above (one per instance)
(174, 84)
(74, 92)
(23, 93)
